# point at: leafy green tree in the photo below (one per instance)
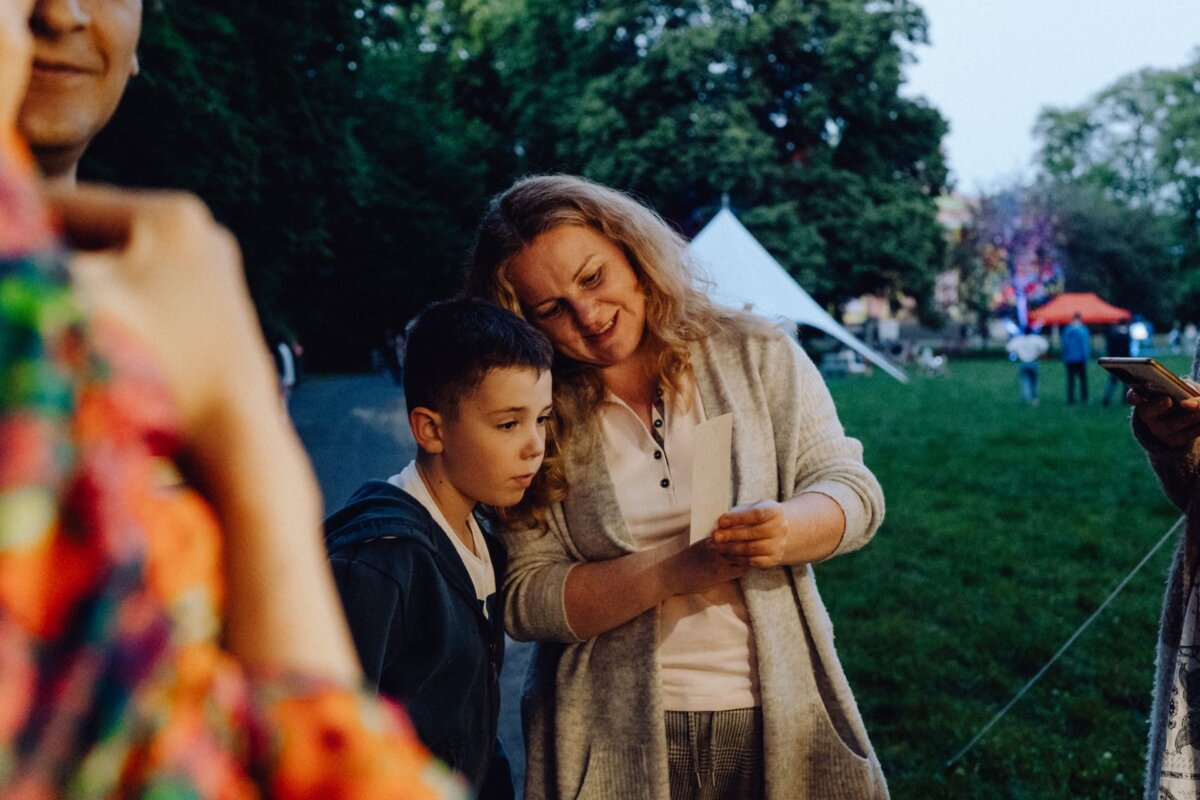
(792, 108)
(1125, 166)
(1119, 252)
(1102, 244)
(263, 131)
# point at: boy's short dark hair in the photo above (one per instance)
(453, 344)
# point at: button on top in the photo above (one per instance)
(664, 483)
(658, 454)
(658, 423)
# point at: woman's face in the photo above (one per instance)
(579, 288)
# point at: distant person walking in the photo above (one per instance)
(285, 368)
(1076, 350)
(1027, 347)
(1116, 345)
(397, 343)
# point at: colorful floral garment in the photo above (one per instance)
(112, 683)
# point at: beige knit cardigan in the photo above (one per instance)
(592, 709)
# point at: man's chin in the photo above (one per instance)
(54, 136)
(57, 161)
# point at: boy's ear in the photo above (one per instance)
(426, 427)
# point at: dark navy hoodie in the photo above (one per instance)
(419, 628)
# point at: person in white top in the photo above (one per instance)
(416, 572)
(1027, 348)
(666, 669)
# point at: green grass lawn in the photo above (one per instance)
(1006, 527)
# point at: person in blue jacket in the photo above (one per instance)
(1076, 350)
(417, 572)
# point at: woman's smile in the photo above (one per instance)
(607, 327)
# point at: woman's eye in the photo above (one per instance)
(551, 312)
(543, 419)
(593, 278)
(507, 426)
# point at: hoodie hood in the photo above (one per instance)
(379, 510)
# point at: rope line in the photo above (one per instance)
(1000, 714)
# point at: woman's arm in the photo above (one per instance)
(833, 504)
(159, 265)
(808, 527)
(550, 594)
(603, 595)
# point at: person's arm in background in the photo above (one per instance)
(1169, 431)
(158, 264)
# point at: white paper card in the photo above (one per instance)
(712, 486)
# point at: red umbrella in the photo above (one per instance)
(1063, 308)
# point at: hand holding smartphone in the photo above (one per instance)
(1150, 377)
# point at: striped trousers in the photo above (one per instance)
(715, 755)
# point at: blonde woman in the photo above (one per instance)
(669, 670)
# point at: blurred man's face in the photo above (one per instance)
(16, 46)
(84, 54)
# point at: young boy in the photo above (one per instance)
(418, 575)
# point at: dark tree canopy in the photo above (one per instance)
(351, 144)
(350, 182)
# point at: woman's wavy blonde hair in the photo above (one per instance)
(677, 309)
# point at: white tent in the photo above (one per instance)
(745, 275)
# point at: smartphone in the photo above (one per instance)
(1150, 376)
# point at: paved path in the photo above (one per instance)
(355, 427)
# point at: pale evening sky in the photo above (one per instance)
(992, 65)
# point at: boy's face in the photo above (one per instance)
(494, 446)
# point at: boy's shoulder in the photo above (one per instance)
(381, 511)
